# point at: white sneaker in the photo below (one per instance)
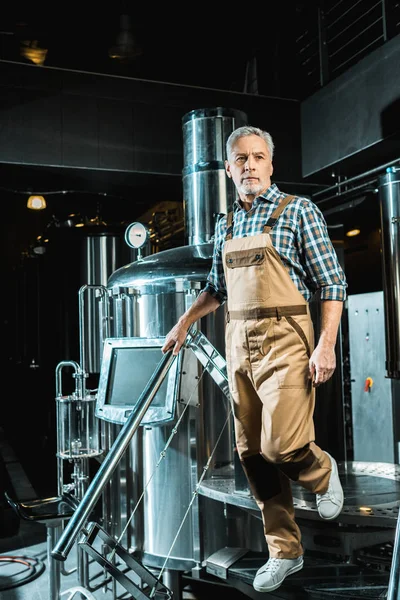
(330, 504)
(271, 575)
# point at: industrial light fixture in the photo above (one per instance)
(126, 48)
(79, 221)
(353, 232)
(36, 202)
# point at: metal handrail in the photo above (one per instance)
(393, 592)
(341, 184)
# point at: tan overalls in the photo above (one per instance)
(269, 340)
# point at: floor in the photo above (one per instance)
(25, 569)
(27, 573)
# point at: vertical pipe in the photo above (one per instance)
(393, 589)
(54, 580)
(389, 196)
(322, 47)
(207, 191)
(384, 20)
(102, 253)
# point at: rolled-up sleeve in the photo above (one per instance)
(320, 259)
(215, 284)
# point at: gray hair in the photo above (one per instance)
(248, 130)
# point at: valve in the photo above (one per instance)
(369, 382)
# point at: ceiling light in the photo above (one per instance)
(125, 48)
(353, 232)
(36, 202)
(31, 50)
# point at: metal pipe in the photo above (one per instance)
(364, 187)
(102, 477)
(322, 48)
(54, 580)
(82, 340)
(337, 186)
(384, 20)
(59, 368)
(389, 195)
(393, 589)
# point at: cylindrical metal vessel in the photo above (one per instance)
(102, 253)
(207, 191)
(389, 195)
(161, 287)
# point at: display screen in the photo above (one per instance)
(130, 372)
(127, 367)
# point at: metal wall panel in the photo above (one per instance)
(372, 410)
(85, 128)
(51, 117)
(353, 112)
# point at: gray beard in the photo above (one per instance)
(250, 189)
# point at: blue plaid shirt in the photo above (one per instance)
(301, 238)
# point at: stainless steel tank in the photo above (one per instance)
(389, 195)
(147, 297)
(102, 252)
(161, 287)
(206, 189)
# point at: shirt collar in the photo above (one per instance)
(271, 195)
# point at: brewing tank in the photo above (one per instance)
(157, 286)
(163, 287)
(389, 196)
(147, 298)
(101, 253)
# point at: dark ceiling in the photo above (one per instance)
(201, 47)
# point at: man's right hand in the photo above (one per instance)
(203, 305)
(175, 338)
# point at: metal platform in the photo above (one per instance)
(345, 559)
(320, 579)
(371, 494)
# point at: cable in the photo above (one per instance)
(34, 568)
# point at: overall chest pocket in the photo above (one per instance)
(245, 258)
(247, 278)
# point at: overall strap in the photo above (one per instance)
(229, 226)
(279, 209)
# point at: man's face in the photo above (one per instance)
(250, 166)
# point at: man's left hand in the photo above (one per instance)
(322, 363)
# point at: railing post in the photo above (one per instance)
(393, 590)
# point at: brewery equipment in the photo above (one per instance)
(389, 196)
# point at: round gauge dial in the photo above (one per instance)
(136, 235)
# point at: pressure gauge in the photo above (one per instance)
(136, 235)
